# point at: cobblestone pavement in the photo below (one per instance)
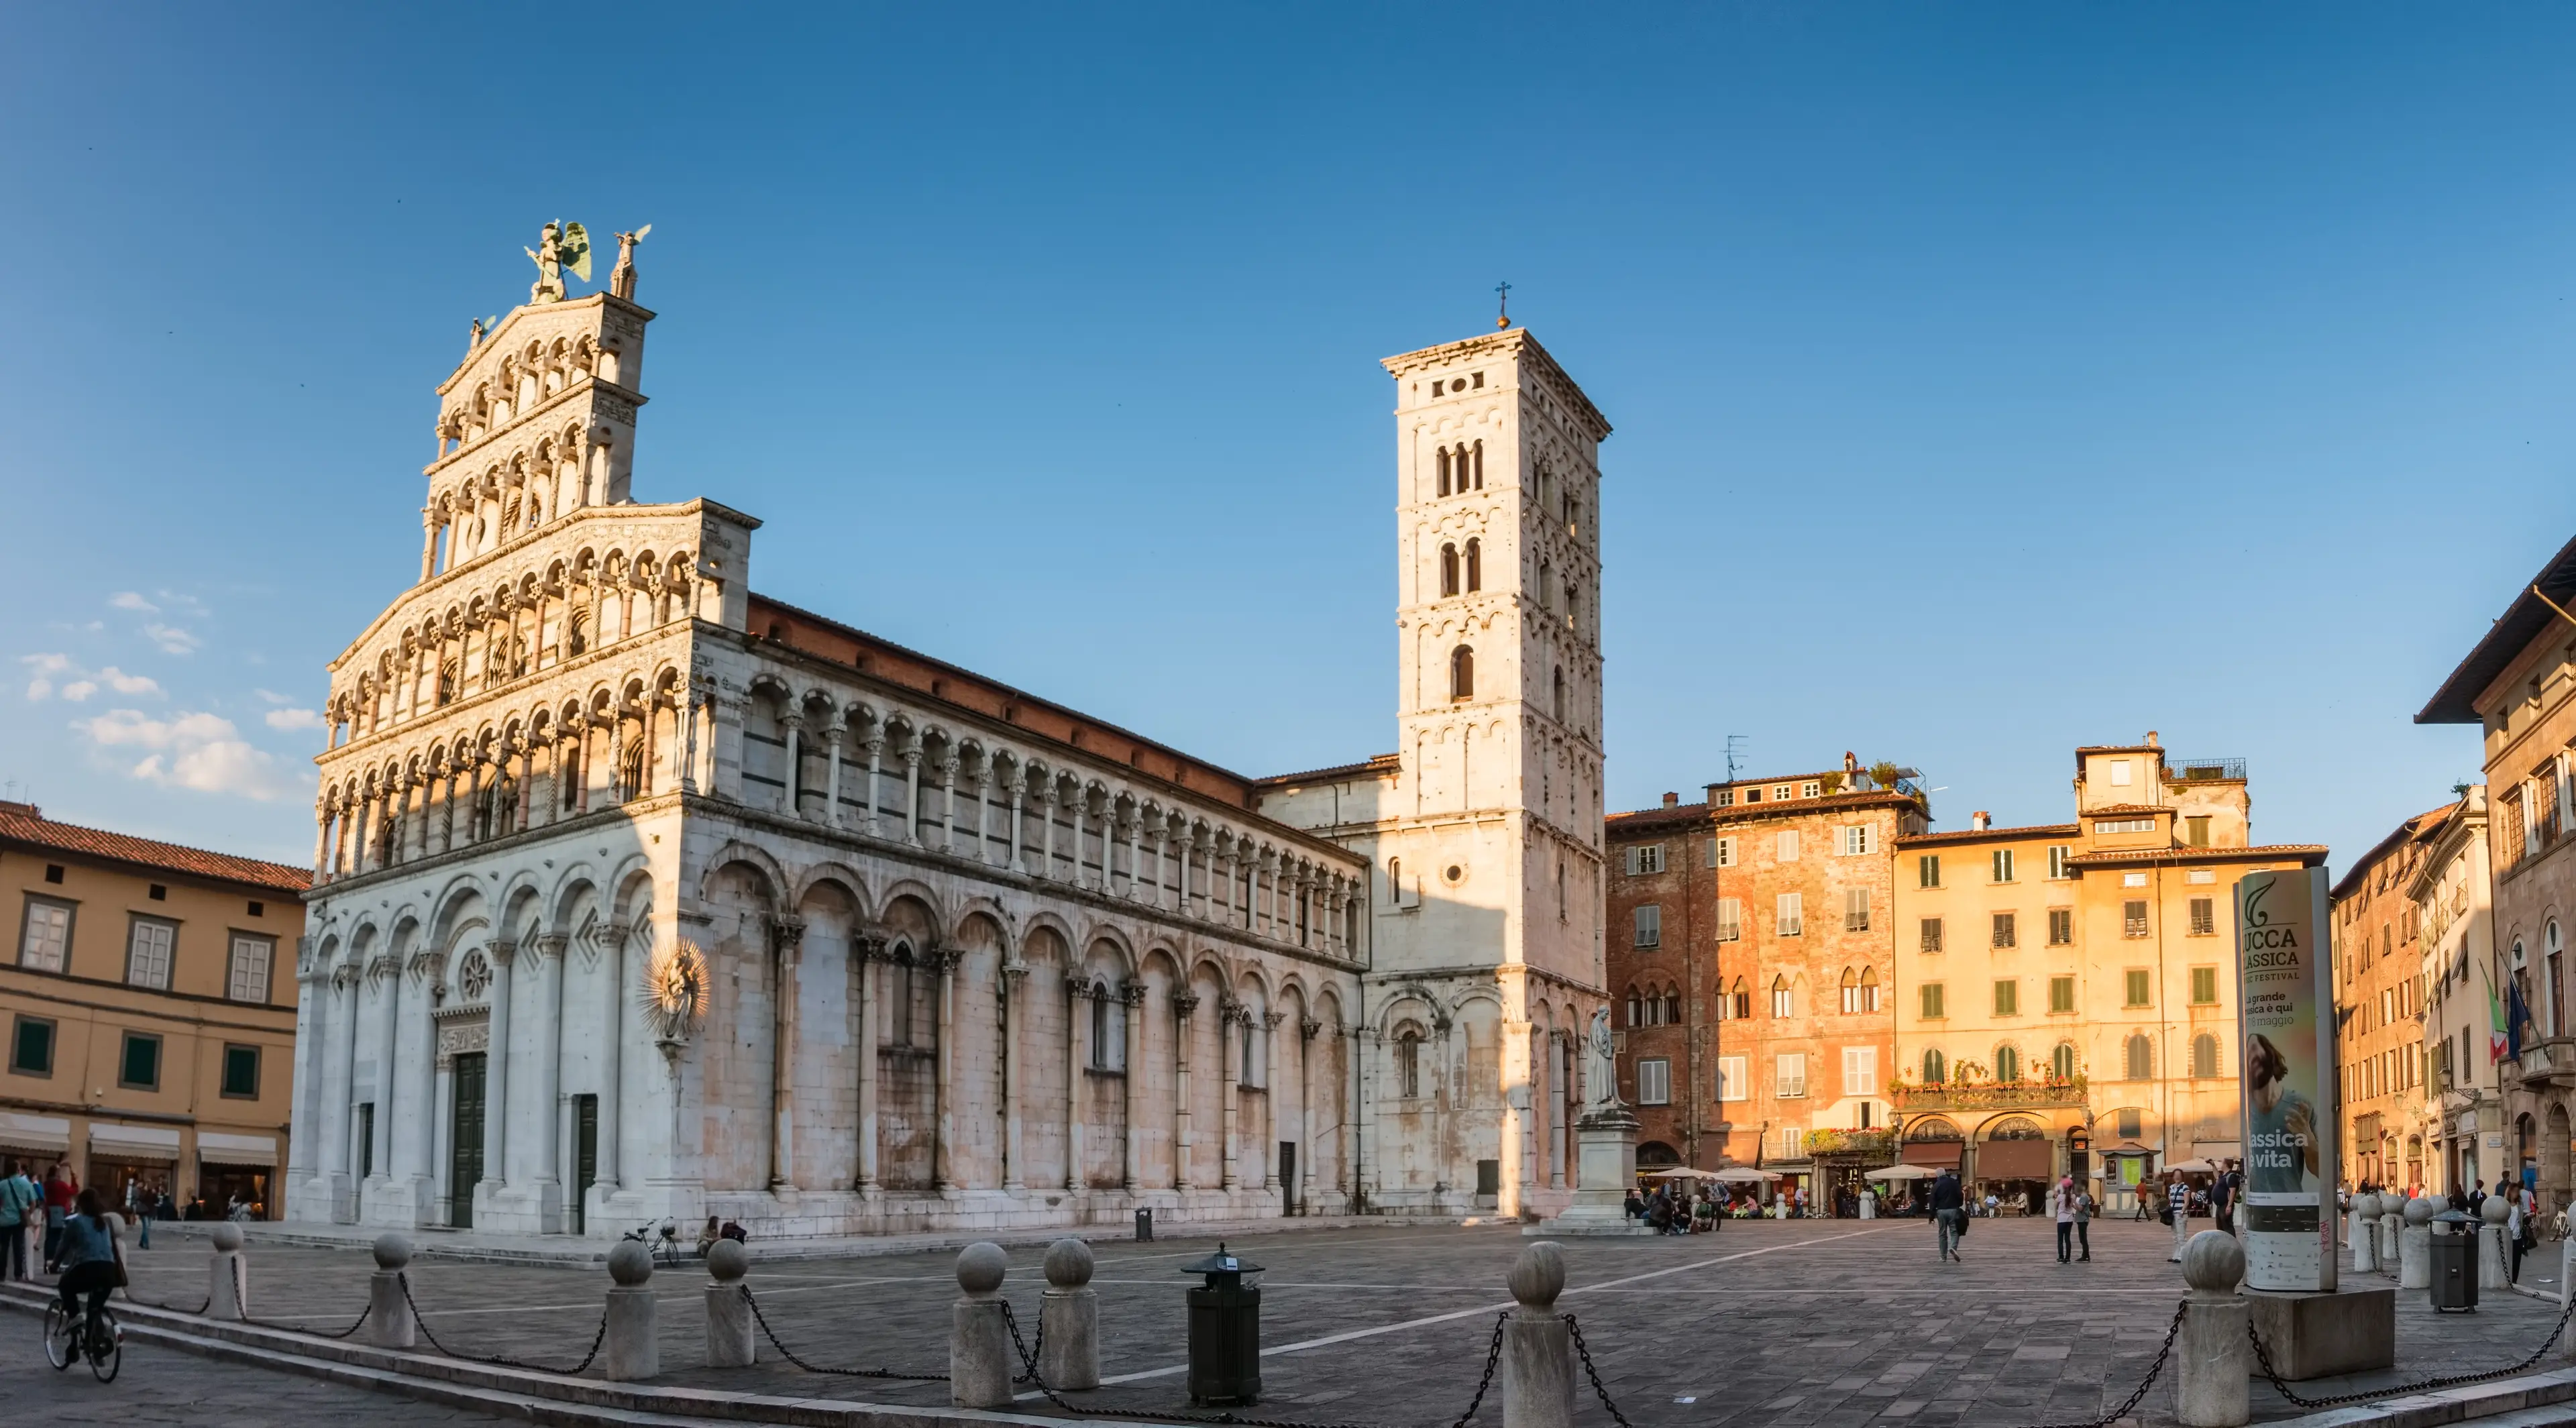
(1796, 1322)
(159, 1385)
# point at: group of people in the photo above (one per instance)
(2070, 1204)
(2521, 1220)
(79, 1237)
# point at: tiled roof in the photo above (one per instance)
(2526, 619)
(2420, 825)
(1377, 764)
(1787, 807)
(23, 825)
(2111, 857)
(2128, 808)
(1972, 835)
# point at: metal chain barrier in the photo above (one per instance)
(791, 1356)
(1029, 1362)
(2263, 1360)
(1583, 1352)
(240, 1297)
(422, 1324)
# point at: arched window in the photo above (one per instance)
(1673, 1004)
(1100, 1026)
(1444, 471)
(1851, 991)
(2007, 1065)
(1869, 989)
(1448, 570)
(1557, 699)
(2061, 1062)
(1784, 1000)
(1475, 564)
(1936, 1067)
(1394, 880)
(1252, 1068)
(1408, 1063)
(1636, 1008)
(2140, 1058)
(2551, 946)
(1743, 999)
(899, 1006)
(2204, 1055)
(1480, 465)
(1462, 673)
(1546, 581)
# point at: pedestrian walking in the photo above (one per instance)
(2063, 1204)
(2517, 1233)
(2084, 1208)
(18, 1195)
(2222, 1198)
(1949, 1214)
(60, 1191)
(2178, 1212)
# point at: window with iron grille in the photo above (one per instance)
(2204, 917)
(2061, 926)
(2133, 918)
(2003, 930)
(1931, 934)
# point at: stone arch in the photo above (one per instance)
(736, 852)
(836, 874)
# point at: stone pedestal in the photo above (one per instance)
(979, 1337)
(730, 1341)
(2211, 1384)
(2415, 1246)
(390, 1324)
(1606, 1157)
(2316, 1335)
(1069, 1319)
(2365, 1234)
(2392, 1216)
(227, 1275)
(2493, 1255)
(1538, 1345)
(632, 1348)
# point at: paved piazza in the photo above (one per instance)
(1802, 1322)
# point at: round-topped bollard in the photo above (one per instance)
(730, 1343)
(2496, 1210)
(392, 1251)
(630, 1263)
(632, 1349)
(1538, 1345)
(2365, 1232)
(389, 1312)
(979, 1331)
(2212, 1349)
(1069, 1318)
(2421, 1210)
(227, 1236)
(980, 1267)
(2415, 1244)
(2213, 1262)
(2494, 1271)
(227, 1274)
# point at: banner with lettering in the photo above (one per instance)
(2285, 998)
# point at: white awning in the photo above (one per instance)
(222, 1149)
(123, 1142)
(48, 1135)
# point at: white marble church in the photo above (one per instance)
(642, 896)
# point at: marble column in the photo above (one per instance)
(948, 805)
(424, 1079)
(866, 954)
(793, 798)
(321, 838)
(1076, 1006)
(609, 940)
(943, 1151)
(1183, 1003)
(1015, 1055)
(689, 706)
(1559, 1052)
(787, 947)
(504, 955)
(912, 794)
(348, 986)
(832, 773)
(549, 1065)
(1131, 1148)
(1017, 793)
(1307, 1027)
(387, 975)
(1268, 1031)
(868, 821)
(1233, 1020)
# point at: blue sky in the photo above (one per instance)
(1987, 380)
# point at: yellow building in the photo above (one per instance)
(2065, 1001)
(150, 1011)
(2379, 1010)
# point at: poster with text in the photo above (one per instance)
(2286, 1004)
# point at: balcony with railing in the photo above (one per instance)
(2204, 770)
(1877, 1144)
(1980, 1095)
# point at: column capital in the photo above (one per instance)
(504, 951)
(1307, 1027)
(786, 933)
(1185, 1003)
(551, 946)
(1131, 992)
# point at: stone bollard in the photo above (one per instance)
(633, 1347)
(2491, 1246)
(227, 1276)
(2365, 1234)
(979, 1336)
(1069, 1319)
(2214, 1357)
(2566, 1273)
(1538, 1345)
(2415, 1246)
(2392, 1218)
(389, 1319)
(729, 1338)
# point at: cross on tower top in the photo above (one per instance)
(1503, 305)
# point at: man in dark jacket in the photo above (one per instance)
(1948, 1213)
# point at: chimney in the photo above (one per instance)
(23, 810)
(1672, 800)
(1979, 820)
(2151, 739)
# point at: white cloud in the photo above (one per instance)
(194, 751)
(295, 719)
(171, 638)
(124, 683)
(41, 669)
(273, 697)
(131, 600)
(78, 690)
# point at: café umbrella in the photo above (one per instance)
(1901, 1172)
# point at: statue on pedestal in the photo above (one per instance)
(1600, 1064)
(559, 245)
(621, 279)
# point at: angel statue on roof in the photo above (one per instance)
(561, 245)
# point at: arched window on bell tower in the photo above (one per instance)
(1444, 471)
(1449, 569)
(1556, 701)
(1479, 464)
(1475, 565)
(1462, 673)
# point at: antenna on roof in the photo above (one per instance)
(1734, 743)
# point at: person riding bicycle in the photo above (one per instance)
(93, 1260)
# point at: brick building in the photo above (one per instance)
(1749, 966)
(2379, 1028)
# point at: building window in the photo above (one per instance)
(1645, 859)
(1636, 1008)
(248, 981)
(147, 953)
(2120, 772)
(139, 1066)
(2061, 926)
(1789, 910)
(1786, 845)
(1856, 910)
(1720, 853)
(1650, 926)
(31, 1047)
(2138, 987)
(1860, 1070)
(1462, 673)
(2061, 1062)
(1927, 870)
(2204, 986)
(1812, 788)
(2196, 830)
(1936, 1067)
(1779, 793)
(1394, 880)
(2204, 917)
(1730, 919)
(2140, 1058)
(1654, 1081)
(1448, 570)
(2128, 1124)
(2061, 995)
(1859, 840)
(2003, 865)
(2004, 935)
(1737, 1004)
(1475, 566)
(2007, 1065)
(2124, 825)
(1789, 1075)
(2133, 918)
(2007, 997)
(241, 1071)
(45, 937)
(1731, 1084)
(1928, 998)
(1784, 998)
(2057, 855)
(1408, 1064)
(2204, 1055)
(1931, 937)
(1860, 993)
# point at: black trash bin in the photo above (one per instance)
(1145, 1223)
(1225, 1332)
(2455, 1261)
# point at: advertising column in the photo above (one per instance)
(2284, 986)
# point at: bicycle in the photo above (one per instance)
(105, 1351)
(664, 1238)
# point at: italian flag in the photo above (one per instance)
(2496, 1046)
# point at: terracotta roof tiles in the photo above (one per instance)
(21, 824)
